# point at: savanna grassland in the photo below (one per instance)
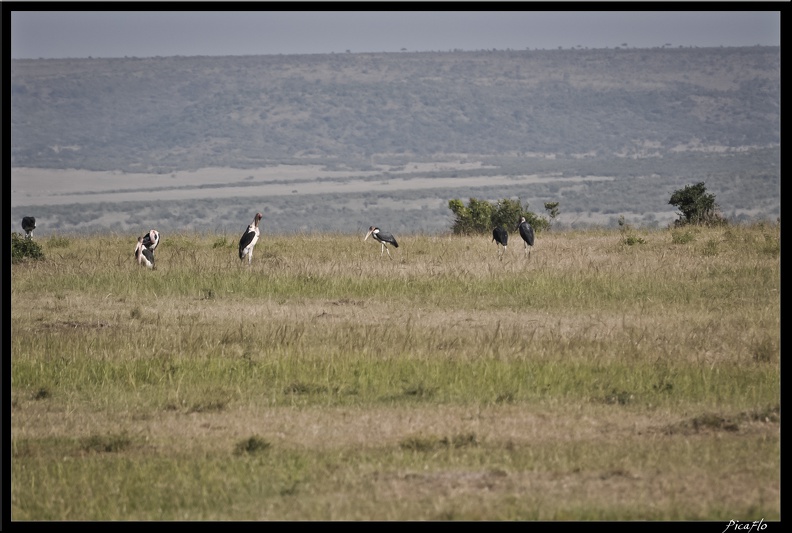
(610, 375)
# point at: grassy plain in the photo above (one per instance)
(611, 375)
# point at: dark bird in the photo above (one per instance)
(151, 239)
(143, 255)
(382, 238)
(501, 236)
(28, 224)
(527, 234)
(249, 239)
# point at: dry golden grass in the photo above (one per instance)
(593, 380)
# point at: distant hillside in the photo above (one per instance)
(667, 116)
(173, 113)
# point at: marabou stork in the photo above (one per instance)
(249, 239)
(501, 236)
(143, 255)
(28, 224)
(527, 234)
(383, 238)
(151, 239)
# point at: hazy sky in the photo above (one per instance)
(53, 34)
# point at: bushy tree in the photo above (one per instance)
(696, 206)
(480, 216)
(506, 213)
(473, 218)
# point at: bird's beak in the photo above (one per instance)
(367, 236)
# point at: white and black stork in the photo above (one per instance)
(143, 255)
(28, 224)
(383, 238)
(151, 240)
(500, 236)
(527, 234)
(249, 239)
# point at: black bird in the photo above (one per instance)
(383, 238)
(527, 234)
(249, 239)
(143, 255)
(151, 239)
(28, 224)
(501, 236)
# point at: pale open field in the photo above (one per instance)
(58, 187)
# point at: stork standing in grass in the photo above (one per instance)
(527, 234)
(249, 239)
(28, 224)
(151, 239)
(500, 236)
(383, 238)
(143, 255)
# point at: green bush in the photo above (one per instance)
(23, 248)
(696, 206)
(480, 216)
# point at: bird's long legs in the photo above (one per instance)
(385, 249)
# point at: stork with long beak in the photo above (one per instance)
(143, 255)
(527, 234)
(383, 238)
(151, 240)
(249, 239)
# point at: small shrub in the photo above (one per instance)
(619, 397)
(713, 421)
(427, 444)
(419, 390)
(42, 394)
(106, 444)
(663, 386)
(23, 248)
(251, 445)
(304, 388)
(506, 397)
(682, 237)
(628, 237)
(629, 240)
